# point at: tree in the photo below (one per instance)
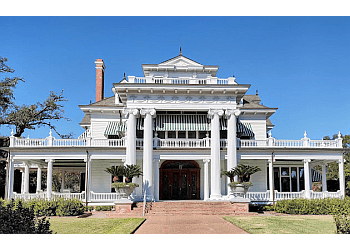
(6, 87)
(28, 116)
(37, 115)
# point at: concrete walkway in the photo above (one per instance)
(188, 224)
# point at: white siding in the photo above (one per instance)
(100, 180)
(258, 124)
(99, 123)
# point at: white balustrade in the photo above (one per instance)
(258, 196)
(30, 142)
(169, 143)
(79, 196)
(222, 81)
(103, 196)
(223, 143)
(183, 143)
(139, 143)
(108, 143)
(69, 143)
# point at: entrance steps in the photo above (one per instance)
(191, 208)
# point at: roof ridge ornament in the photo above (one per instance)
(180, 51)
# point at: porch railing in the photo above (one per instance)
(103, 196)
(265, 196)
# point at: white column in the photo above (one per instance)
(11, 166)
(63, 180)
(324, 178)
(271, 184)
(156, 179)
(38, 179)
(231, 115)
(22, 182)
(341, 176)
(206, 179)
(6, 182)
(49, 178)
(307, 178)
(26, 179)
(87, 178)
(131, 135)
(215, 153)
(148, 151)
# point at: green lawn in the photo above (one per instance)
(296, 224)
(94, 225)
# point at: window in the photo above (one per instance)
(161, 134)
(182, 134)
(191, 134)
(202, 134)
(287, 179)
(171, 134)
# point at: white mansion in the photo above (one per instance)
(183, 125)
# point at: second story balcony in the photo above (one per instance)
(158, 143)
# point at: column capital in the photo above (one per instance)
(150, 111)
(206, 160)
(230, 112)
(307, 161)
(128, 111)
(213, 112)
(49, 160)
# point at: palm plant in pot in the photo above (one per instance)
(240, 187)
(124, 189)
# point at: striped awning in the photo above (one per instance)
(114, 127)
(182, 123)
(243, 129)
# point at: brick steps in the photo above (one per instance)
(189, 208)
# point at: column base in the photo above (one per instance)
(216, 197)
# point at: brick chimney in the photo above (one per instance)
(100, 75)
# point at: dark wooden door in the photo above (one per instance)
(179, 184)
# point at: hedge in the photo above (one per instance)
(56, 207)
(328, 206)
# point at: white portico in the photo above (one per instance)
(183, 125)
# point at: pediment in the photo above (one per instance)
(180, 61)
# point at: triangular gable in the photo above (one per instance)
(180, 60)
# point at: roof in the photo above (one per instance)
(108, 101)
(252, 101)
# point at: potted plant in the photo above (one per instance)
(124, 189)
(240, 187)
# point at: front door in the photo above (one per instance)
(179, 181)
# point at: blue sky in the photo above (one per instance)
(298, 64)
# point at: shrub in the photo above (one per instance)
(89, 208)
(70, 207)
(56, 207)
(15, 218)
(342, 223)
(103, 208)
(326, 206)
